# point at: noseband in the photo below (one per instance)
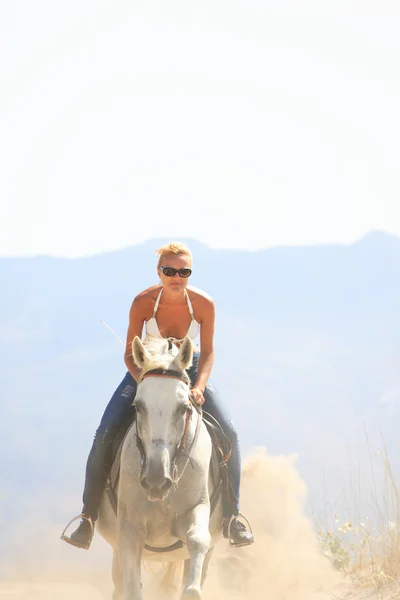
(189, 412)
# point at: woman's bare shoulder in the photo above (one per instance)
(149, 292)
(147, 296)
(200, 296)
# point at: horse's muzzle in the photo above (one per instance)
(156, 491)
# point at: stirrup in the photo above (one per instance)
(67, 539)
(232, 544)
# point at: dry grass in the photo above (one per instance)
(368, 550)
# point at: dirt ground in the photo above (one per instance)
(285, 563)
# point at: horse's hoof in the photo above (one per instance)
(191, 593)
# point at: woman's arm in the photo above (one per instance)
(206, 359)
(136, 321)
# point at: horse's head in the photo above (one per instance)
(163, 409)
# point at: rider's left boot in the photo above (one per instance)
(237, 533)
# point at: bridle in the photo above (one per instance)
(181, 450)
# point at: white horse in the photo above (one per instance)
(166, 482)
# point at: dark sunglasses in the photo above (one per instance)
(171, 271)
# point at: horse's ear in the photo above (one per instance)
(185, 354)
(139, 352)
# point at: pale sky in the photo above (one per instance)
(241, 123)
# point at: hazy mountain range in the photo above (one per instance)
(307, 344)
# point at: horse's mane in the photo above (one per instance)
(161, 357)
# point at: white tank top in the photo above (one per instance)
(152, 330)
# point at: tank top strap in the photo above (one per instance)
(157, 303)
(189, 305)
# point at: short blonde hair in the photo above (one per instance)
(173, 248)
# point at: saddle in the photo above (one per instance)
(222, 450)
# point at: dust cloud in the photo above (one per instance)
(284, 563)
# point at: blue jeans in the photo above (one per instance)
(120, 412)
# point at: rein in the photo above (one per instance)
(180, 452)
(182, 445)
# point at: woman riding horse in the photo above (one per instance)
(171, 310)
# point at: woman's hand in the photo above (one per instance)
(197, 396)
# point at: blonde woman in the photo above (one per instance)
(170, 310)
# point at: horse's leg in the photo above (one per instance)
(117, 578)
(198, 542)
(186, 571)
(206, 565)
(130, 548)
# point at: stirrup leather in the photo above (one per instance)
(67, 539)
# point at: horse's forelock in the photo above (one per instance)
(161, 356)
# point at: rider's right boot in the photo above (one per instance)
(95, 480)
(83, 535)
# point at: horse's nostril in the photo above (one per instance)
(167, 484)
(144, 483)
(156, 490)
